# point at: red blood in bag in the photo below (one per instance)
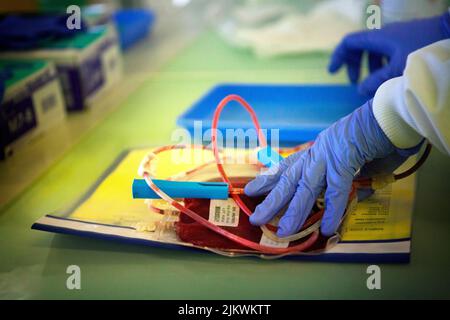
(193, 232)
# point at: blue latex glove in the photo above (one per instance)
(394, 42)
(330, 163)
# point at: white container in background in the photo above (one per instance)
(400, 10)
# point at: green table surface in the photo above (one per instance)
(33, 263)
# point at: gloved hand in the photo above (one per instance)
(394, 42)
(330, 163)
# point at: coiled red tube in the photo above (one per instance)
(245, 242)
(261, 139)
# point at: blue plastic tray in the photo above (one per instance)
(133, 25)
(300, 112)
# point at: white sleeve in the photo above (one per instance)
(417, 104)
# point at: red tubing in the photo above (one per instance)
(245, 242)
(261, 138)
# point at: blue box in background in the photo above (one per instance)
(32, 103)
(299, 112)
(133, 25)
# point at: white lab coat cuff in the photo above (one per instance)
(387, 106)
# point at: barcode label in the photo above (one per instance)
(217, 214)
(111, 65)
(48, 102)
(224, 213)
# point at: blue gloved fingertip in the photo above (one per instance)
(333, 67)
(254, 218)
(253, 187)
(328, 226)
(282, 232)
(249, 188)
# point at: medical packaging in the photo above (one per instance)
(88, 64)
(32, 103)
